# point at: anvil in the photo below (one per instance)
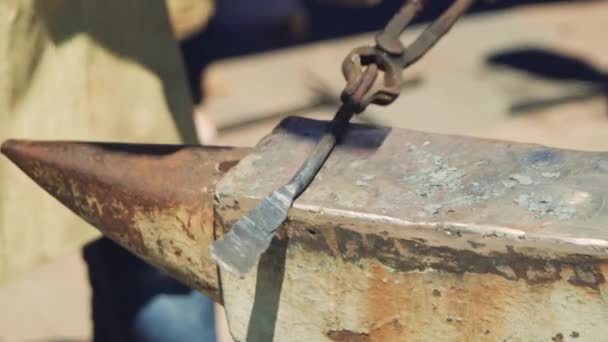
(402, 236)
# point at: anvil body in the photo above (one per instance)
(403, 235)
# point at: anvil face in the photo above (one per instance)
(406, 235)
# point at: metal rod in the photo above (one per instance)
(434, 32)
(240, 249)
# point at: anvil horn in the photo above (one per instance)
(154, 200)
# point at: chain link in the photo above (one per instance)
(391, 56)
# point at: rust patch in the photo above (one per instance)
(587, 276)
(347, 336)
(386, 299)
(391, 331)
(122, 188)
(475, 307)
(99, 204)
(408, 255)
(224, 166)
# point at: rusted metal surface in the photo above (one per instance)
(414, 236)
(402, 236)
(391, 56)
(154, 200)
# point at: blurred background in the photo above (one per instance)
(532, 71)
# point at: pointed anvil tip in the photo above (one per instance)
(22, 152)
(154, 200)
(11, 147)
(7, 145)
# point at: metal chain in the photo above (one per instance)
(391, 56)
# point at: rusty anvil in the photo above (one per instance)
(403, 235)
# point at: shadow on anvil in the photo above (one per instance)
(364, 137)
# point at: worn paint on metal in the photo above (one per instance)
(154, 200)
(407, 236)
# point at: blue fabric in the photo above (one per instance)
(133, 301)
(176, 317)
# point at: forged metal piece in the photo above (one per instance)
(239, 250)
(154, 200)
